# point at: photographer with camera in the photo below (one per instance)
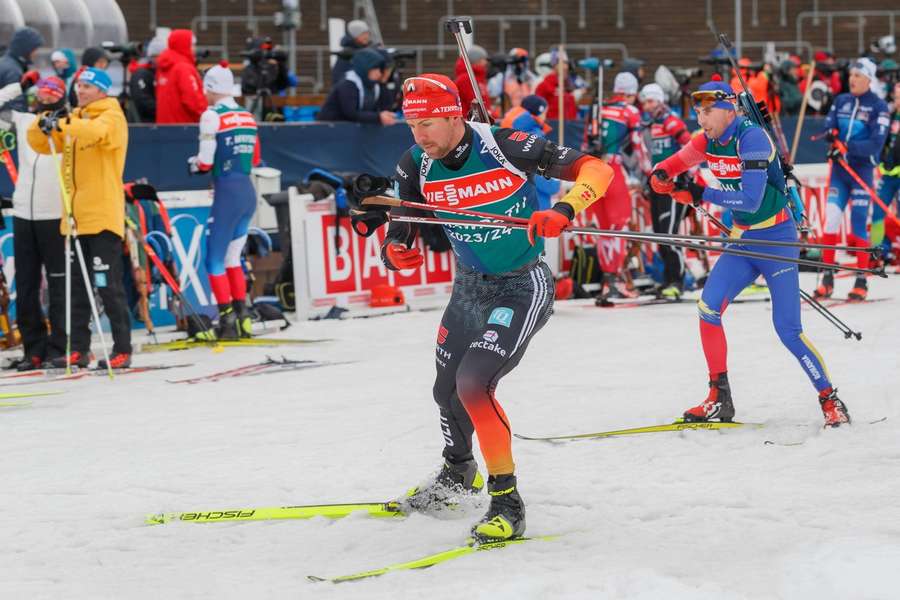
(514, 82)
(37, 243)
(359, 97)
(265, 73)
(356, 38)
(142, 82)
(21, 53)
(179, 93)
(548, 89)
(92, 142)
(826, 82)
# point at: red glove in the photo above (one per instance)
(29, 78)
(661, 183)
(399, 258)
(683, 197)
(550, 223)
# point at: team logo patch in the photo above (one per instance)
(501, 316)
(518, 136)
(442, 334)
(490, 336)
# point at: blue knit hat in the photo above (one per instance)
(534, 104)
(97, 78)
(728, 98)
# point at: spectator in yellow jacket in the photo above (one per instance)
(93, 140)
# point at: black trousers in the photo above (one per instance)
(103, 257)
(667, 215)
(39, 245)
(483, 335)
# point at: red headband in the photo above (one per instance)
(430, 95)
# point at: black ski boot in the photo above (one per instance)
(717, 405)
(454, 482)
(244, 320)
(505, 519)
(227, 328)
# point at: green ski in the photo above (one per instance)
(471, 547)
(309, 511)
(11, 395)
(676, 426)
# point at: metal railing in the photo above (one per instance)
(831, 15)
(503, 22)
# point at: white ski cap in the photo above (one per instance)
(865, 67)
(219, 80)
(625, 83)
(652, 91)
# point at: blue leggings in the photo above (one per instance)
(844, 187)
(733, 273)
(887, 191)
(234, 202)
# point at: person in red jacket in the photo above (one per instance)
(549, 88)
(179, 93)
(478, 58)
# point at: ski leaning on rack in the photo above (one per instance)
(306, 511)
(676, 426)
(270, 365)
(242, 343)
(470, 547)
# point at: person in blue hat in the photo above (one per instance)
(743, 158)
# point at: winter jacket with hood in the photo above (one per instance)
(179, 90)
(36, 196)
(357, 98)
(466, 93)
(15, 62)
(343, 65)
(549, 89)
(93, 142)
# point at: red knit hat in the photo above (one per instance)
(430, 95)
(53, 88)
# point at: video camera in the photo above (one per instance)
(128, 50)
(259, 50)
(842, 65)
(684, 75)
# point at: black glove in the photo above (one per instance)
(835, 154)
(47, 122)
(831, 135)
(366, 219)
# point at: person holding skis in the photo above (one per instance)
(502, 292)
(743, 158)
(667, 134)
(229, 149)
(856, 127)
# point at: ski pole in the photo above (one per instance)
(89, 288)
(818, 306)
(500, 224)
(663, 237)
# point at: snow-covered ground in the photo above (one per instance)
(692, 515)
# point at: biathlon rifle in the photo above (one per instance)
(759, 114)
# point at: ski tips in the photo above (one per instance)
(158, 519)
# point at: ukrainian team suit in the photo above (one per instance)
(744, 161)
(502, 292)
(862, 125)
(229, 148)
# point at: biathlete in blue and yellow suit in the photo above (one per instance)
(742, 157)
(229, 148)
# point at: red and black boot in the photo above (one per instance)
(121, 360)
(826, 288)
(860, 290)
(76, 359)
(717, 405)
(834, 410)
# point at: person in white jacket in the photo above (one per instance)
(37, 241)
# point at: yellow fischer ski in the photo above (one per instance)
(471, 547)
(246, 342)
(11, 395)
(331, 511)
(676, 426)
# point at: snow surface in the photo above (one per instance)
(691, 515)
